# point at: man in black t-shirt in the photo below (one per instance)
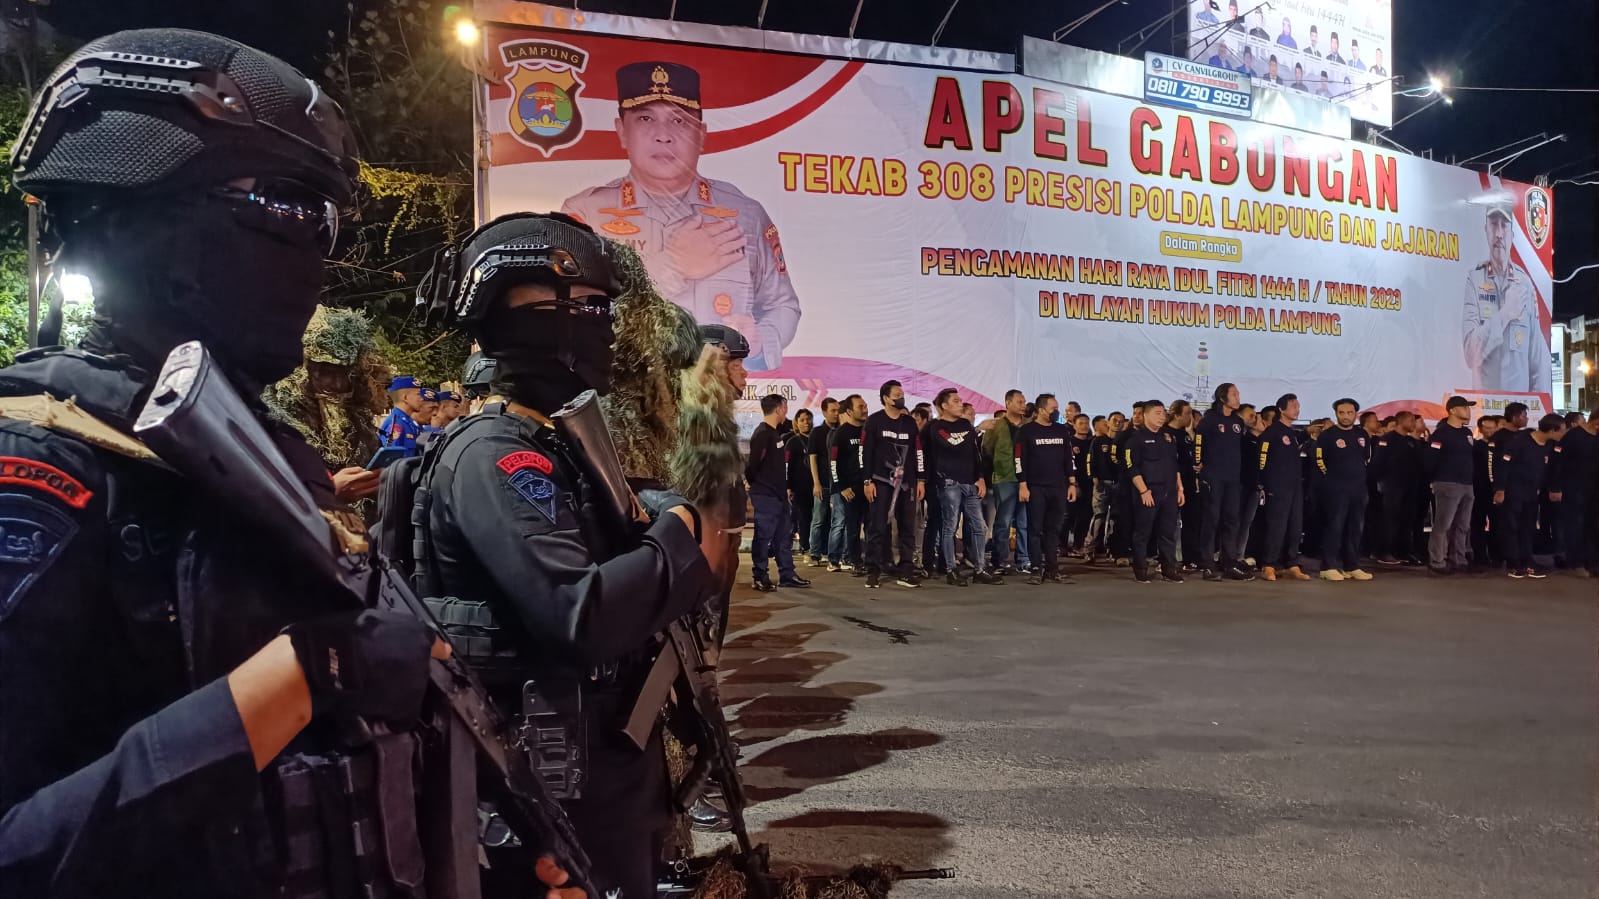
(1341, 458)
(849, 499)
(1080, 510)
(892, 466)
(821, 482)
(1153, 460)
(1048, 482)
(1102, 472)
(1449, 459)
(1218, 453)
(767, 473)
(955, 471)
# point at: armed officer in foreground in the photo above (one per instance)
(515, 534)
(171, 695)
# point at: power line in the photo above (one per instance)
(1530, 90)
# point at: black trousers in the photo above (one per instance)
(1159, 522)
(1575, 512)
(1192, 515)
(1484, 528)
(804, 506)
(879, 558)
(1121, 520)
(1343, 520)
(1078, 515)
(1518, 524)
(1221, 507)
(1284, 525)
(933, 535)
(1046, 516)
(1402, 515)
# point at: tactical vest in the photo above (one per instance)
(334, 819)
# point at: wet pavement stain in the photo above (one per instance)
(895, 634)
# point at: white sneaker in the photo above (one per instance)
(1333, 574)
(1359, 575)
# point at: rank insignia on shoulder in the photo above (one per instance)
(32, 535)
(37, 475)
(538, 490)
(525, 459)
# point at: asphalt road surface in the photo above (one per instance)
(1409, 736)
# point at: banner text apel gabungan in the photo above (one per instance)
(985, 230)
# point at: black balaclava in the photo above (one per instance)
(189, 269)
(547, 353)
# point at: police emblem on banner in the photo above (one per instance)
(1538, 215)
(544, 85)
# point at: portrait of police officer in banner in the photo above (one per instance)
(709, 248)
(1503, 339)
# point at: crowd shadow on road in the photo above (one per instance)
(908, 839)
(801, 764)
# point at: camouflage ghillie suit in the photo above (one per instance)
(656, 342)
(337, 396)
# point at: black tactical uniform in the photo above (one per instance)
(1282, 480)
(1518, 468)
(517, 539)
(1341, 459)
(1156, 457)
(1101, 469)
(126, 598)
(1218, 448)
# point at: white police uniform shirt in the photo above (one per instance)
(1504, 354)
(757, 286)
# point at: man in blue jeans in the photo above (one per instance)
(822, 479)
(955, 470)
(767, 473)
(999, 449)
(849, 500)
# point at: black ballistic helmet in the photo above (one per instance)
(477, 375)
(726, 338)
(159, 110)
(551, 249)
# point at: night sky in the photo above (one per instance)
(1471, 42)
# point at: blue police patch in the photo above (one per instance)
(537, 489)
(32, 535)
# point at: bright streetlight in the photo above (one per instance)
(466, 33)
(75, 289)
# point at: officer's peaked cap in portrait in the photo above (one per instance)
(158, 110)
(638, 83)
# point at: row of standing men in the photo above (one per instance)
(1236, 493)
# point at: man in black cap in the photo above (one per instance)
(1154, 462)
(1448, 456)
(517, 534)
(709, 248)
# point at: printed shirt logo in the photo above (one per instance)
(1286, 441)
(32, 535)
(1341, 443)
(42, 476)
(544, 112)
(539, 491)
(1436, 445)
(1362, 441)
(525, 459)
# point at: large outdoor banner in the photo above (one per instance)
(865, 221)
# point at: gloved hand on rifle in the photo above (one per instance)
(658, 502)
(370, 663)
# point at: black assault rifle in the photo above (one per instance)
(897, 480)
(196, 423)
(681, 667)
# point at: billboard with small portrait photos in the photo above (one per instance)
(1337, 50)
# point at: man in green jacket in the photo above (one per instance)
(999, 450)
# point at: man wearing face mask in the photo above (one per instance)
(515, 533)
(709, 248)
(170, 691)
